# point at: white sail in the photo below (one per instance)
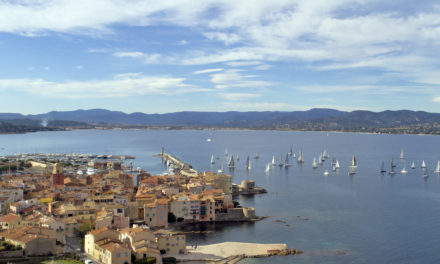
(294, 155)
(351, 170)
(231, 163)
(337, 164)
(353, 162)
(212, 159)
(248, 166)
(326, 173)
(300, 157)
(437, 169)
(314, 164)
(401, 154)
(423, 164)
(273, 160)
(413, 166)
(267, 167)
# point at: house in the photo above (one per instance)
(10, 221)
(156, 213)
(142, 242)
(170, 243)
(35, 241)
(108, 251)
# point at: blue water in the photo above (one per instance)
(366, 218)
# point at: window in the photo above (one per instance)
(118, 255)
(126, 254)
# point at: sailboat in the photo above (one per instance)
(404, 171)
(320, 159)
(256, 156)
(326, 173)
(220, 170)
(267, 167)
(248, 163)
(212, 159)
(300, 157)
(286, 161)
(413, 166)
(294, 156)
(382, 168)
(333, 162)
(423, 165)
(437, 169)
(425, 173)
(231, 163)
(273, 160)
(353, 162)
(392, 163)
(226, 152)
(281, 164)
(392, 172)
(353, 166)
(351, 170)
(324, 154)
(401, 154)
(238, 158)
(314, 164)
(290, 152)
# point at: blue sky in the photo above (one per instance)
(250, 55)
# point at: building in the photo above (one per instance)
(156, 213)
(10, 221)
(57, 175)
(171, 243)
(35, 241)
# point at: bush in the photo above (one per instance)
(171, 218)
(145, 261)
(180, 219)
(169, 260)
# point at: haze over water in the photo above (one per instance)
(366, 218)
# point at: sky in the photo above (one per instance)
(219, 55)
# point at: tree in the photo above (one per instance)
(171, 218)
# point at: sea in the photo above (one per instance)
(368, 217)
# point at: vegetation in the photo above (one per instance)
(145, 261)
(171, 217)
(5, 246)
(169, 260)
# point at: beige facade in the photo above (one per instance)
(171, 243)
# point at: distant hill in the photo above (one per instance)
(402, 121)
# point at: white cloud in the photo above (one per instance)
(238, 96)
(242, 63)
(145, 58)
(79, 67)
(234, 78)
(122, 85)
(333, 34)
(208, 71)
(226, 38)
(46, 68)
(436, 99)
(183, 42)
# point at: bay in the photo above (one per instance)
(365, 218)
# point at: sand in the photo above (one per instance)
(227, 249)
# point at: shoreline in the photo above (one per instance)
(219, 129)
(233, 252)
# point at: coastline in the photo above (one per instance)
(224, 129)
(232, 252)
